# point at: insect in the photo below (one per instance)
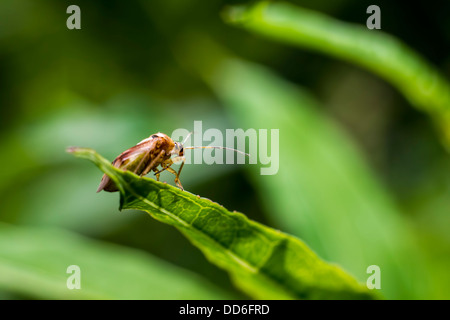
(147, 155)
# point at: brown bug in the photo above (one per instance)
(148, 154)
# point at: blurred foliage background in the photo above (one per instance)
(136, 68)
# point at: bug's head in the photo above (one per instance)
(178, 149)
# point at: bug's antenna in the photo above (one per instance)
(187, 137)
(217, 147)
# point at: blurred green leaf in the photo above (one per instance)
(263, 262)
(376, 51)
(34, 261)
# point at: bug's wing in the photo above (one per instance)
(130, 154)
(107, 184)
(132, 158)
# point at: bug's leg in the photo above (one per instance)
(182, 159)
(177, 174)
(156, 173)
(151, 165)
(177, 180)
(165, 165)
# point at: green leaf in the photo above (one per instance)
(374, 50)
(263, 262)
(34, 261)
